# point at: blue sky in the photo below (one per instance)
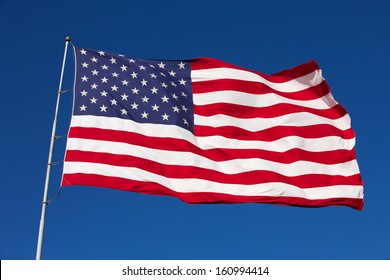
(349, 39)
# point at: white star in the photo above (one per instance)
(84, 92)
(124, 96)
(103, 108)
(154, 90)
(152, 66)
(141, 67)
(104, 67)
(113, 102)
(94, 59)
(164, 85)
(114, 88)
(181, 65)
(173, 84)
(124, 68)
(174, 96)
(104, 80)
(104, 93)
(115, 74)
(144, 115)
(113, 60)
(84, 52)
(162, 74)
(175, 109)
(134, 75)
(83, 108)
(182, 82)
(134, 106)
(185, 121)
(125, 83)
(161, 65)
(93, 100)
(102, 53)
(94, 86)
(152, 75)
(165, 117)
(85, 65)
(84, 78)
(145, 99)
(165, 99)
(124, 112)
(172, 73)
(155, 107)
(131, 60)
(184, 108)
(135, 90)
(183, 94)
(144, 83)
(95, 72)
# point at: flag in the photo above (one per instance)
(206, 131)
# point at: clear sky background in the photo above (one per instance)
(349, 39)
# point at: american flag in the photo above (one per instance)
(206, 131)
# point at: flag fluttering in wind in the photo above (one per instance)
(206, 131)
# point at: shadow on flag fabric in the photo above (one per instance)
(206, 131)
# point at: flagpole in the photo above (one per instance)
(49, 163)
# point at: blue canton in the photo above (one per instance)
(145, 91)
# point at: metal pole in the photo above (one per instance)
(49, 163)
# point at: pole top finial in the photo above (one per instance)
(67, 39)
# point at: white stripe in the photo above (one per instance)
(329, 143)
(199, 185)
(260, 101)
(324, 144)
(235, 166)
(294, 85)
(259, 124)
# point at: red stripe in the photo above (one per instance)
(298, 71)
(310, 93)
(171, 144)
(280, 77)
(275, 133)
(183, 172)
(200, 197)
(277, 110)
